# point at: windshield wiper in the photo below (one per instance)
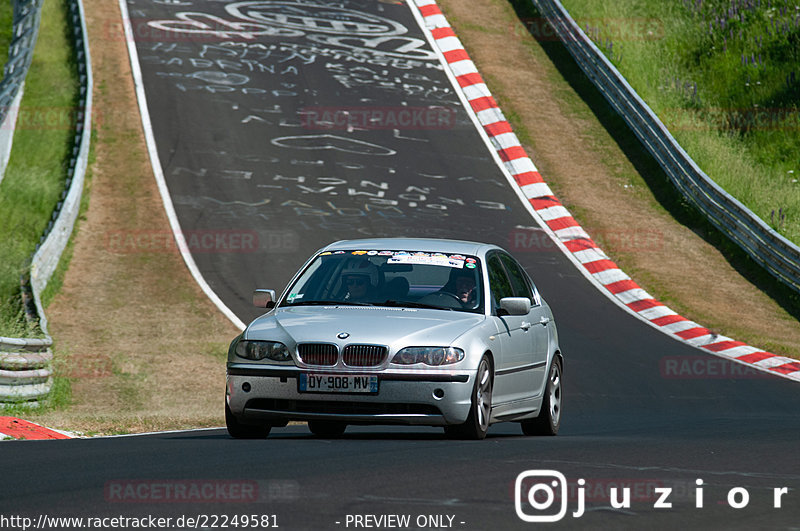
(328, 303)
(410, 304)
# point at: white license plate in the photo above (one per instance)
(337, 383)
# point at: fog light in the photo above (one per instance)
(438, 394)
(246, 387)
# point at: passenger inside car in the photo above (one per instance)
(462, 284)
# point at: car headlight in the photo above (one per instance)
(259, 350)
(428, 356)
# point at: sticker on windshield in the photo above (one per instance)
(425, 260)
(293, 296)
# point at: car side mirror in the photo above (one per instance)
(264, 298)
(515, 305)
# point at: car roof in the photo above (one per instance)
(414, 244)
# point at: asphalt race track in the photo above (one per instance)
(282, 126)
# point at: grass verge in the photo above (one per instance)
(724, 77)
(37, 167)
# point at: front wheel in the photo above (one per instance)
(549, 419)
(237, 430)
(477, 423)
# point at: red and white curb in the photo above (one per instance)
(560, 224)
(14, 428)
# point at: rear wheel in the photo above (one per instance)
(326, 428)
(477, 423)
(549, 419)
(237, 430)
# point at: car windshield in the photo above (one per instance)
(390, 278)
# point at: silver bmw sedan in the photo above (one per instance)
(399, 331)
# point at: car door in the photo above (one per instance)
(511, 382)
(535, 325)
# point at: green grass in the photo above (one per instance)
(6, 31)
(37, 168)
(726, 84)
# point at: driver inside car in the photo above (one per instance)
(360, 279)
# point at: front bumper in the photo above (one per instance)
(421, 397)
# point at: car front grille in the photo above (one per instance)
(323, 354)
(364, 355)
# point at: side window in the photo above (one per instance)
(498, 281)
(537, 299)
(519, 282)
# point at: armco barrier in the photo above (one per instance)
(20, 52)
(775, 253)
(25, 374)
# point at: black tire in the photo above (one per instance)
(477, 423)
(549, 419)
(327, 428)
(238, 430)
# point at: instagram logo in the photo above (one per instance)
(540, 489)
(541, 495)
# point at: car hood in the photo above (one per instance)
(394, 327)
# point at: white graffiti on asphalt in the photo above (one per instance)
(172, 2)
(221, 78)
(334, 142)
(372, 34)
(203, 23)
(315, 18)
(406, 47)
